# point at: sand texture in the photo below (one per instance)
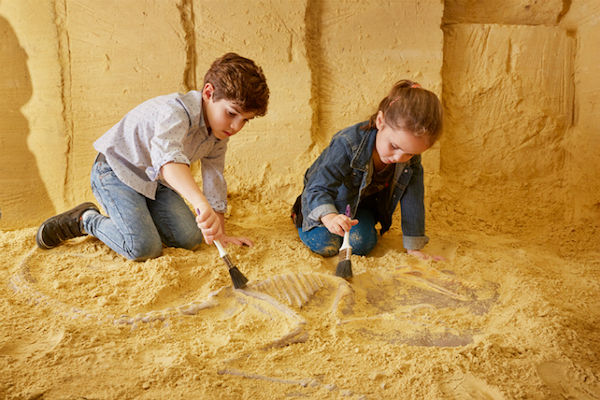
(501, 318)
(512, 200)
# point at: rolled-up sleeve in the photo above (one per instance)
(213, 179)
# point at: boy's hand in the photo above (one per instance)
(423, 256)
(239, 241)
(338, 224)
(210, 224)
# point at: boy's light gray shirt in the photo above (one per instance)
(164, 129)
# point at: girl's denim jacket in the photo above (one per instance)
(344, 169)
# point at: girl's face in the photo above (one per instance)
(223, 117)
(396, 145)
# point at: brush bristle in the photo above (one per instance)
(344, 269)
(238, 279)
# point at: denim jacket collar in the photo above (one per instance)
(361, 159)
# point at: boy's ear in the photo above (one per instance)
(207, 91)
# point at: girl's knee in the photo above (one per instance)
(326, 251)
(363, 242)
(363, 249)
(321, 242)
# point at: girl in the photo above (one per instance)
(370, 167)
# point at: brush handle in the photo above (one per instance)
(346, 242)
(224, 254)
(222, 251)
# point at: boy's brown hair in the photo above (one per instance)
(240, 80)
(409, 106)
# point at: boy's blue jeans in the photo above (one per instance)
(363, 236)
(138, 226)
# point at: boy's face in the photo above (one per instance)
(397, 145)
(224, 117)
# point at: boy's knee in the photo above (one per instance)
(190, 243)
(186, 237)
(144, 251)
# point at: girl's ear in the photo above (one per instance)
(379, 121)
(207, 91)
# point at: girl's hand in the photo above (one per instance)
(239, 241)
(423, 256)
(210, 224)
(338, 224)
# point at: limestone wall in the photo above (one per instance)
(582, 140)
(519, 85)
(78, 66)
(521, 105)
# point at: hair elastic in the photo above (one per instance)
(413, 86)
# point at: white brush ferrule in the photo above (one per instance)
(346, 242)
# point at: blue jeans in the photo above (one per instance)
(363, 236)
(136, 226)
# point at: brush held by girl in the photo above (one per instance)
(373, 166)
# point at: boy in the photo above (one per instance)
(142, 174)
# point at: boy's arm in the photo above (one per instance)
(179, 177)
(214, 185)
(225, 240)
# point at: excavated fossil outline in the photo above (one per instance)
(295, 289)
(281, 292)
(285, 293)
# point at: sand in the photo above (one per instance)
(503, 317)
(512, 199)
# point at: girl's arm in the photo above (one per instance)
(322, 183)
(338, 223)
(412, 209)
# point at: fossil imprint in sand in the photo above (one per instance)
(396, 306)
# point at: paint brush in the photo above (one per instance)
(344, 267)
(238, 279)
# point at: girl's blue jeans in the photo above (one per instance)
(136, 226)
(363, 236)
